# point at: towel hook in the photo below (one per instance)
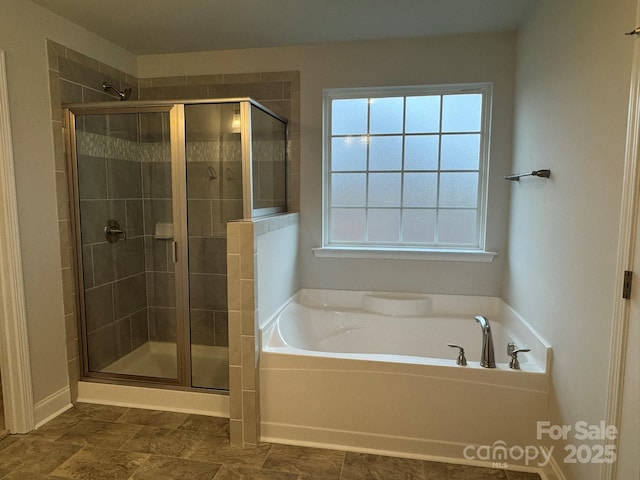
(536, 173)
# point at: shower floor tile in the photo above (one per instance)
(95, 442)
(209, 364)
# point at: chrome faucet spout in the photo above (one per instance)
(487, 359)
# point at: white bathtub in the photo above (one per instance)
(372, 371)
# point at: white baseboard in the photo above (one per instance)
(406, 447)
(197, 403)
(52, 406)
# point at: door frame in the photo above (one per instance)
(628, 246)
(175, 114)
(15, 362)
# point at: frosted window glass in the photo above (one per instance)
(418, 226)
(420, 189)
(457, 227)
(348, 225)
(383, 225)
(458, 189)
(404, 166)
(423, 114)
(461, 113)
(384, 190)
(386, 115)
(349, 117)
(348, 189)
(421, 152)
(349, 153)
(385, 153)
(460, 152)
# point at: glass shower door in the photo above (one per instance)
(126, 213)
(214, 196)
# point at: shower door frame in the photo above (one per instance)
(179, 243)
(176, 108)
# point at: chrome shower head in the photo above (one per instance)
(124, 95)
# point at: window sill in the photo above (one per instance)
(449, 255)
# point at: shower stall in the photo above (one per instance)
(153, 186)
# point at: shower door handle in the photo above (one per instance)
(113, 232)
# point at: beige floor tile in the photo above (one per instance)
(107, 413)
(17, 475)
(249, 473)
(305, 460)
(96, 442)
(10, 440)
(447, 471)
(522, 476)
(100, 464)
(362, 466)
(315, 477)
(218, 450)
(166, 468)
(56, 427)
(204, 424)
(153, 418)
(35, 456)
(95, 433)
(163, 441)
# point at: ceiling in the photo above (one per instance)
(175, 26)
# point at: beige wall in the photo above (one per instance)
(572, 89)
(24, 28)
(435, 60)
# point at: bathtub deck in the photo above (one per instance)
(96, 442)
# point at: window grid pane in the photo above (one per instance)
(390, 214)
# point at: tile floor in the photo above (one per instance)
(98, 442)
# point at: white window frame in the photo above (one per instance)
(476, 253)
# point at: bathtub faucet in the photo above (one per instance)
(487, 359)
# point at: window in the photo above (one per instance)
(406, 167)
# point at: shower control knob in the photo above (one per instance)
(113, 232)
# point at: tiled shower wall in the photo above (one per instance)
(74, 77)
(155, 163)
(214, 196)
(114, 274)
(278, 91)
(77, 78)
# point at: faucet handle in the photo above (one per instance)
(514, 363)
(461, 360)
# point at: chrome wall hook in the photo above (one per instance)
(546, 173)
